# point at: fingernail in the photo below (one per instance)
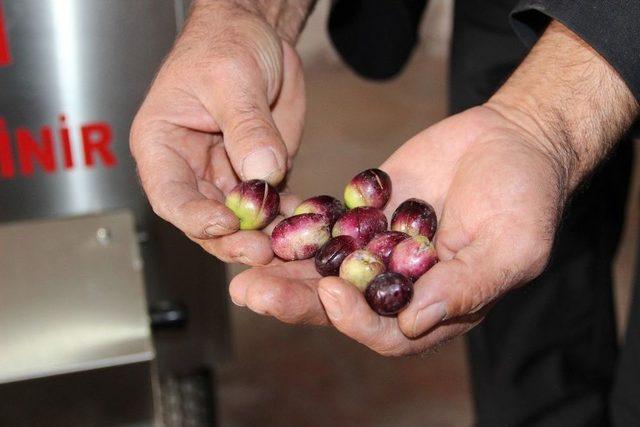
(331, 304)
(261, 164)
(428, 317)
(217, 230)
(236, 302)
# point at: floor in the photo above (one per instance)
(284, 375)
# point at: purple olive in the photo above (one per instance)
(382, 244)
(369, 188)
(388, 293)
(255, 203)
(360, 267)
(329, 206)
(416, 218)
(330, 256)
(413, 257)
(361, 224)
(300, 236)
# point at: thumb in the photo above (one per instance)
(469, 281)
(242, 110)
(349, 312)
(448, 290)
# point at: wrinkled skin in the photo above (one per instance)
(495, 190)
(227, 105)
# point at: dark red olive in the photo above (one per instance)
(361, 223)
(382, 244)
(413, 257)
(329, 206)
(416, 218)
(330, 256)
(388, 293)
(300, 236)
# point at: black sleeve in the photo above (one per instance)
(375, 37)
(611, 27)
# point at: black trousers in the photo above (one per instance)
(547, 354)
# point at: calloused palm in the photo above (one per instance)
(495, 191)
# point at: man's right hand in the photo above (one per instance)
(227, 105)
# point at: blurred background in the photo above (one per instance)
(109, 316)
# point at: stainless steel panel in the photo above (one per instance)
(91, 60)
(71, 296)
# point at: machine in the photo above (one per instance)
(108, 315)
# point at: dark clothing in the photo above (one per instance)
(484, 51)
(376, 37)
(546, 354)
(609, 26)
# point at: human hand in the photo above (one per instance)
(227, 105)
(498, 176)
(497, 195)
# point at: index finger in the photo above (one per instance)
(173, 188)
